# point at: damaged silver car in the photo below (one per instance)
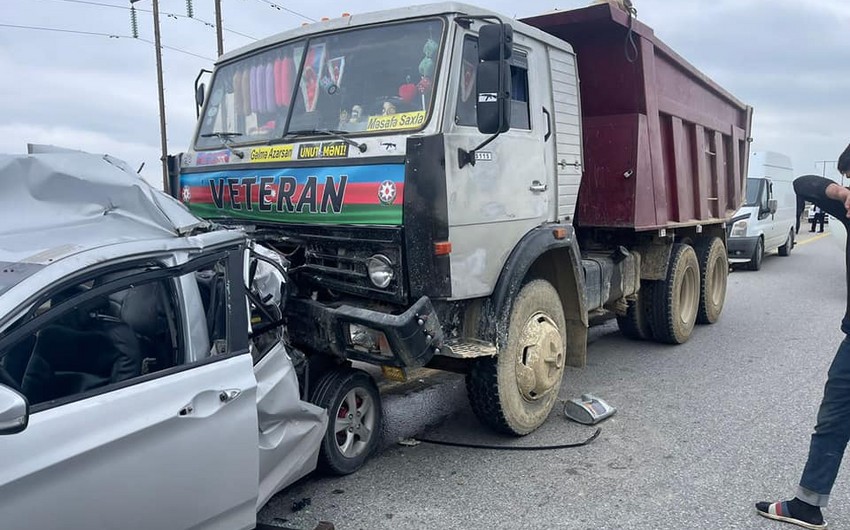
(144, 375)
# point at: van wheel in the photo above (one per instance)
(676, 299)
(758, 256)
(785, 250)
(635, 323)
(714, 273)
(514, 392)
(354, 419)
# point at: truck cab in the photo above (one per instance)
(450, 195)
(766, 222)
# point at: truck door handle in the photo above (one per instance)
(548, 125)
(538, 186)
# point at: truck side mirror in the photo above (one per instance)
(772, 205)
(495, 45)
(200, 91)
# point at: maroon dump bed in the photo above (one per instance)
(663, 144)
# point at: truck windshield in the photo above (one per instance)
(754, 191)
(371, 80)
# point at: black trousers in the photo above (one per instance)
(818, 218)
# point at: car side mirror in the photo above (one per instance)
(14, 411)
(772, 206)
(493, 85)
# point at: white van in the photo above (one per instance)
(767, 219)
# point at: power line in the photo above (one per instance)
(169, 15)
(97, 34)
(281, 8)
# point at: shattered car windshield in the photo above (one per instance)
(375, 79)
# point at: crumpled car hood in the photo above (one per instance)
(51, 189)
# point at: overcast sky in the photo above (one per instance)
(786, 58)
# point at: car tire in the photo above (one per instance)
(514, 392)
(785, 250)
(758, 256)
(714, 274)
(675, 302)
(354, 419)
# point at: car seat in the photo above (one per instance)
(67, 361)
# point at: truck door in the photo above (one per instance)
(493, 203)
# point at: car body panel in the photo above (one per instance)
(202, 444)
(129, 456)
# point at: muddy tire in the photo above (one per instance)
(354, 419)
(714, 275)
(758, 256)
(675, 301)
(785, 250)
(635, 323)
(514, 392)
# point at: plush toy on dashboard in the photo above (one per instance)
(388, 108)
(426, 68)
(407, 91)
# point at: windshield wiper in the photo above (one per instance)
(339, 135)
(226, 139)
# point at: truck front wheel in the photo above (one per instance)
(515, 391)
(676, 299)
(714, 272)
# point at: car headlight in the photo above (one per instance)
(739, 229)
(380, 270)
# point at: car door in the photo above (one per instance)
(172, 446)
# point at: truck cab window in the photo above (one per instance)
(465, 108)
(520, 115)
(374, 79)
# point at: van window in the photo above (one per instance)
(754, 192)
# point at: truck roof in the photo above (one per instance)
(375, 17)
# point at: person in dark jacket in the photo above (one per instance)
(832, 431)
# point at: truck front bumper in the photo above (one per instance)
(741, 249)
(408, 339)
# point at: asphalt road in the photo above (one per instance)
(703, 430)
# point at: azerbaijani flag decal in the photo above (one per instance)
(363, 195)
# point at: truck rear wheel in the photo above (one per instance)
(676, 299)
(635, 323)
(515, 391)
(714, 273)
(354, 419)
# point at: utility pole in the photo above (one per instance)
(161, 90)
(824, 163)
(218, 28)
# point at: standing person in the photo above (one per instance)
(818, 217)
(832, 430)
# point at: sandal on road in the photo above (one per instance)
(779, 511)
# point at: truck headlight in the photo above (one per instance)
(380, 270)
(739, 229)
